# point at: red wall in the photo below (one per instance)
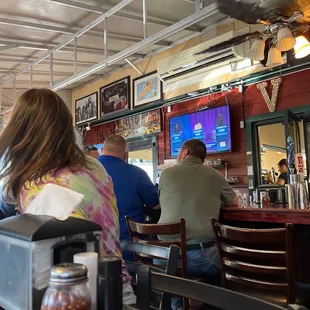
(294, 92)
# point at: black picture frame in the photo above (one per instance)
(144, 79)
(115, 97)
(85, 110)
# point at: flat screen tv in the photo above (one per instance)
(212, 126)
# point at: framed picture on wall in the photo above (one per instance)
(147, 89)
(86, 109)
(115, 96)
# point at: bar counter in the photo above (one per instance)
(275, 217)
(278, 214)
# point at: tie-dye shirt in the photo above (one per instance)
(98, 205)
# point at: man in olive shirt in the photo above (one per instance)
(196, 193)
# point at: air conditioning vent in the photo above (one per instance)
(190, 60)
(211, 64)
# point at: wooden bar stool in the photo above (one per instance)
(145, 233)
(258, 262)
(211, 295)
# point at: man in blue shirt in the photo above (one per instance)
(6, 210)
(132, 186)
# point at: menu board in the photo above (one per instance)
(139, 125)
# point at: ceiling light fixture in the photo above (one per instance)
(257, 50)
(286, 40)
(274, 57)
(302, 47)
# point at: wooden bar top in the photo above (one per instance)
(271, 215)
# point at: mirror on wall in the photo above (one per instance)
(273, 150)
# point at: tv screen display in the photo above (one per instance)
(212, 126)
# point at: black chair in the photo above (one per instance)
(170, 255)
(211, 295)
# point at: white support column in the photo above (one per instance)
(134, 66)
(198, 5)
(0, 98)
(14, 90)
(51, 70)
(105, 38)
(75, 56)
(31, 76)
(144, 19)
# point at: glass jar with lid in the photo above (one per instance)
(67, 288)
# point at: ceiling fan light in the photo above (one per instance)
(274, 57)
(286, 40)
(257, 50)
(302, 47)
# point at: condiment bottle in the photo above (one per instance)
(90, 261)
(110, 285)
(67, 288)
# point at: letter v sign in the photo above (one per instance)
(271, 103)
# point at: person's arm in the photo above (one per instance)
(228, 195)
(147, 191)
(280, 181)
(270, 179)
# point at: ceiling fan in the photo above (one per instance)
(285, 23)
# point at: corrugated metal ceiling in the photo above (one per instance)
(29, 28)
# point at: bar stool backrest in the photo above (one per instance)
(215, 296)
(147, 234)
(259, 262)
(170, 255)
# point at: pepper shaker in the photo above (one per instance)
(110, 285)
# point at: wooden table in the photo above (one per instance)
(253, 217)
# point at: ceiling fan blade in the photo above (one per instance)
(253, 11)
(246, 12)
(300, 28)
(299, 5)
(232, 42)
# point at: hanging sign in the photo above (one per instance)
(271, 103)
(300, 163)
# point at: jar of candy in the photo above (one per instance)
(67, 288)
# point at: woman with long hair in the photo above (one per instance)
(39, 147)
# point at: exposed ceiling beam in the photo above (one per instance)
(5, 110)
(29, 44)
(186, 38)
(42, 72)
(59, 62)
(7, 100)
(26, 82)
(56, 62)
(8, 46)
(188, 21)
(125, 14)
(70, 31)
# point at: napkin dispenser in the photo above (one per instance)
(30, 245)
